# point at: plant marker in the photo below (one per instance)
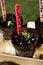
(3, 10)
(18, 19)
(0, 1)
(41, 10)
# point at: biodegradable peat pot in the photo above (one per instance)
(39, 28)
(25, 43)
(6, 28)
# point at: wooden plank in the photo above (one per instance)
(21, 60)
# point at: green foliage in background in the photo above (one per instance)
(29, 9)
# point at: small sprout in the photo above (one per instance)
(26, 34)
(9, 23)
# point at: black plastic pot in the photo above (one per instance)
(8, 30)
(39, 28)
(27, 50)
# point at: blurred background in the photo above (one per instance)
(29, 9)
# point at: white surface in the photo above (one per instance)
(6, 46)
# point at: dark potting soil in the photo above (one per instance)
(10, 17)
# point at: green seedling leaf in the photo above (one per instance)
(26, 34)
(9, 23)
